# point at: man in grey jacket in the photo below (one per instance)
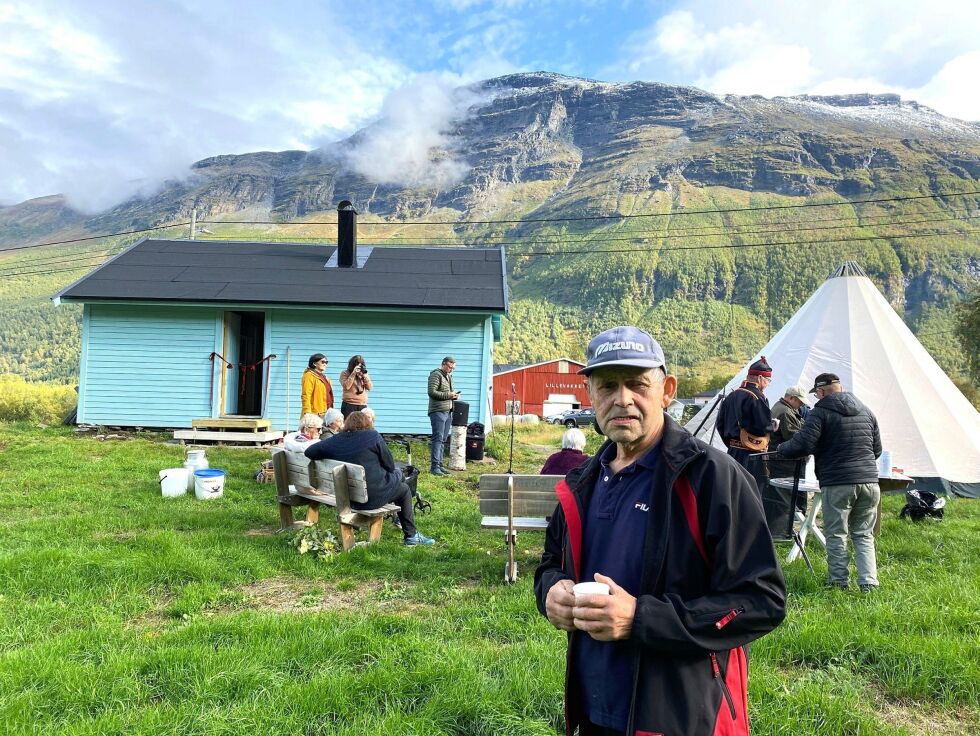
(441, 397)
(842, 435)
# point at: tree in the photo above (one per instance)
(968, 330)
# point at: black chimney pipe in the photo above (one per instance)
(346, 235)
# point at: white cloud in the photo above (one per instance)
(953, 89)
(97, 105)
(924, 51)
(412, 143)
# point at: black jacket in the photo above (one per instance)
(367, 448)
(711, 580)
(747, 408)
(842, 435)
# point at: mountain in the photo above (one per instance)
(650, 184)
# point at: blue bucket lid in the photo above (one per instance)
(208, 473)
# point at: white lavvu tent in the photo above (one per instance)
(847, 328)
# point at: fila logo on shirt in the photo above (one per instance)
(641, 506)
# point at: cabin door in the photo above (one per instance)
(244, 348)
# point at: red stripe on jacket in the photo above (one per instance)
(573, 520)
(685, 494)
(737, 681)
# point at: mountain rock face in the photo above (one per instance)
(578, 135)
(553, 151)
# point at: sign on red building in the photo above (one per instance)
(543, 388)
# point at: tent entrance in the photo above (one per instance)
(244, 343)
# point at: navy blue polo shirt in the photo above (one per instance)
(614, 537)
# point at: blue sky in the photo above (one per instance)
(102, 98)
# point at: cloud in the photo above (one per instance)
(412, 144)
(98, 106)
(953, 88)
(924, 51)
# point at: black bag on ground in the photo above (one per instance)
(920, 504)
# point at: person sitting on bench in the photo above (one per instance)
(570, 456)
(309, 430)
(333, 422)
(360, 444)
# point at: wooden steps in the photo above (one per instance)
(255, 424)
(230, 430)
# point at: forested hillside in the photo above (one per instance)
(708, 220)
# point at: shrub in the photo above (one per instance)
(21, 401)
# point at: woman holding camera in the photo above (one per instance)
(356, 384)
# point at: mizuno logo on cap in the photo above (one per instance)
(625, 345)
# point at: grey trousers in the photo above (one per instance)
(851, 510)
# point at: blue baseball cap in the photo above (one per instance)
(624, 345)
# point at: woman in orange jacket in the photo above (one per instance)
(316, 391)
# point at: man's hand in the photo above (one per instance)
(605, 617)
(558, 605)
(455, 395)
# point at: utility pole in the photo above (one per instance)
(194, 223)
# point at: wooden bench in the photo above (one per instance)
(325, 483)
(346, 483)
(516, 503)
(293, 469)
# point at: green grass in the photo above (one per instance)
(125, 612)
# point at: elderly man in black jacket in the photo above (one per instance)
(676, 530)
(842, 435)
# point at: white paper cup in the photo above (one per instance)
(582, 589)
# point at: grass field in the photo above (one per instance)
(122, 612)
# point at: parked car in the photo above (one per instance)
(556, 418)
(578, 418)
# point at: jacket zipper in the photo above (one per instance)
(727, 618)
(716, 673)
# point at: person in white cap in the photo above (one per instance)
(787, 411)
(676, 530)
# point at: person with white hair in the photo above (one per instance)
(309, 430)
(333, 420)
(570, 455)
(359, 443)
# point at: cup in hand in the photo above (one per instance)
(584, 589)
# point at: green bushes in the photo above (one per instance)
(21, 401)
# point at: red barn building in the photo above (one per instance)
(542, 389)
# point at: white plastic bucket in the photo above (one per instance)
(173, 482)
(209, 483)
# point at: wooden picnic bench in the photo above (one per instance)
(516, 503)
(330, 483)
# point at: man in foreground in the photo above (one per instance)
(842, 435)
(744, 419)
(676, 530)
(441, 397)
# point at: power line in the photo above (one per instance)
(672, 213)
(62, 259)
(738, 245)
(721, 231)
(735, 229)
(96, 237)
(677, 213)
(534, 254)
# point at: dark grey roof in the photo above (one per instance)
(294, 273)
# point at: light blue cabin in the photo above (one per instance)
(163, 321)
